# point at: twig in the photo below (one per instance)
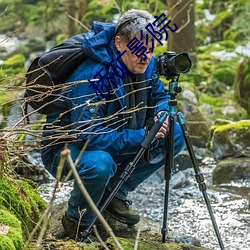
(186, 4)
(99, 238)
(77, 21)
(137, 236)
(66, 154)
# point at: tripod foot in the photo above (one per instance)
(164, 232)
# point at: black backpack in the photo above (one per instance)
(48, 73)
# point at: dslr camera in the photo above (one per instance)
(172, 65)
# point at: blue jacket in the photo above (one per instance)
(106, 132)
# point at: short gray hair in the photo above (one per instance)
(132, 22)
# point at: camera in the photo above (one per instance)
(172, 65)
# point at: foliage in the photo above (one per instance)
(17, 60)
(229, 22)
(12, 69)
(224, 75)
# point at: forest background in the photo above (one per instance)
(214, 33)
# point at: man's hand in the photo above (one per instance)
(164, 128)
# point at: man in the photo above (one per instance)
(109, 116)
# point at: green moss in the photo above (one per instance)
(228, 45)
(235, 125)
(9, 219)
(16, 237)
(6, 243)
(214, 101)
(22, 200)
(14, 234)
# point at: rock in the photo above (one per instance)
(150, 235)
(188, 95)
(231, 169)
(227, 110)
(181, 179)
(206, 109)
(232, 139)
(197, 125)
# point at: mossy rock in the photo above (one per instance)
(10, 231)
(221, 107)
(231, 169)
(232, 139)
(22, 200)
(128, 244)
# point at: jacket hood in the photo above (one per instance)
(98, 43)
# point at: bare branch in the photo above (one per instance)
(79, 22)
(66, 154)
(186, 24)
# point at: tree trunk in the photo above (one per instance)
(83, 7)
(182, 14)
(72, 13)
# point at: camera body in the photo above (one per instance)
(171, 65)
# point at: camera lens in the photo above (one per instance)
(182, 63)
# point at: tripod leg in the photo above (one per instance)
(129, 169)
(168, 173)
(199, 177)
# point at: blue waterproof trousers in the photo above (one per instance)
(100, 170)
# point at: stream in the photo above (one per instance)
(187, 212)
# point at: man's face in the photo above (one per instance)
(131, 61)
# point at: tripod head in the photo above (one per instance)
(174, 89)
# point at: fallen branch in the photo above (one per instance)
(66, 155)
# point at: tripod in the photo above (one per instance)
(173, 90)
(169, 163)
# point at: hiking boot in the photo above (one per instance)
(75, 231)
(121, 211)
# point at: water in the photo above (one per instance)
(188, 215)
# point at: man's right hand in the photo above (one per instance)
(164, 128)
